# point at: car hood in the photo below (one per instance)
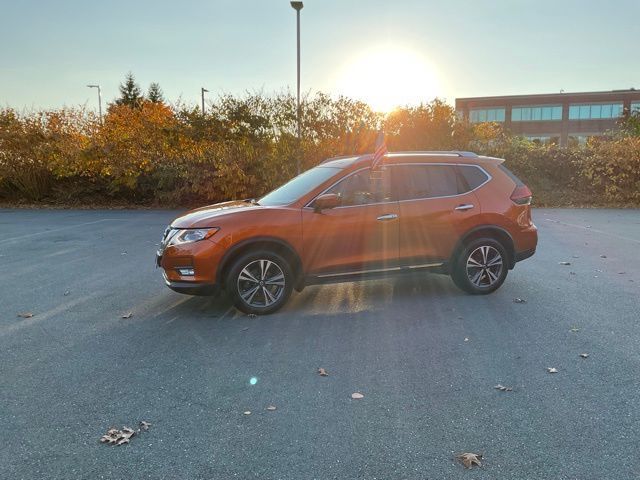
(208, 216)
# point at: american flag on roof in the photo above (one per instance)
(381, 150)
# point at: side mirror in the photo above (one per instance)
(326, 201)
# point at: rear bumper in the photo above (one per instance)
(524, 254)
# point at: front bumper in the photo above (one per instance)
(192, 288)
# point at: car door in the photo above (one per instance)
(360, 234)
(436, 207)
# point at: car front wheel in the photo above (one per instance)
(259, 282)
(481, 267)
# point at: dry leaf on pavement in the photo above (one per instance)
(519, 300)
(584, 355)
(564, 263)
(118, 437)
(466, 339)
(552, 370)
(25, 315)
(574, 329)
(248, 412)
(502, 388)
(603, 256)
(469, 459)
(357, 396)
(322, 372)
(271, 408)
(127, 315)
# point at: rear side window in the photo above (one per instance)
(473, 175)
(426, 181)
(510, 174)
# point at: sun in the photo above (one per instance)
(388, 77)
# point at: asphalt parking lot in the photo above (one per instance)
(185, 364)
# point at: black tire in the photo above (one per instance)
(263, 271)
(486, 277)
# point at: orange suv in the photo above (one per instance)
(447, 212)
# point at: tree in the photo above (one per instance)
(155, 93)
(130, 93)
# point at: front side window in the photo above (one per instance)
(427, 181)
(364, 188)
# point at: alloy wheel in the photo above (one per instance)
(484, 266)
(261, 283)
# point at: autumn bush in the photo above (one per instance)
(161, 155)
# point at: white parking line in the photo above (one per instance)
(61, 228)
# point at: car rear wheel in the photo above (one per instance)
(259, 282)
(481, 267)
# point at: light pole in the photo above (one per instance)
(202, 92)
(99, 100)
(297, 6)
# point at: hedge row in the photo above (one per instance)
(161, 155)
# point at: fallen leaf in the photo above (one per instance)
(127, 315)
(519, 300)
(144, 425)
(603, 256)
(469, 459)
(584, 355)
(552, 370)
(502, 388)
(564, 263)
(25, 315)
(357, 396)
(466, 339)
(322, 372)
(115, 436)
(123, 253)
(252, 315)
(248, 412)
(572, 273)
(271, 408)
(66, 293)
(574, 329)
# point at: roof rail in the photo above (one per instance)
(460, 153)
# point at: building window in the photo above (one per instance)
(536, 114)
(635, 107)
(478, 115)
(595, 111)
(581, 140)
(543, 139)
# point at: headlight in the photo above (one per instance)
(191, 235)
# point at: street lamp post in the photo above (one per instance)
(297, 6)
(99, 100)
(202, 92)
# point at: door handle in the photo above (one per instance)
(388, 216)
(464, 206)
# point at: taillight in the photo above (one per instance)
(521, 195)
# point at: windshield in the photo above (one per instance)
(299, 186)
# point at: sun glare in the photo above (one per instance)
(388, 78)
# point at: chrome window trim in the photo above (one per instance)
(489, 178)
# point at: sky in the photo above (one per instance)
(384, 52)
